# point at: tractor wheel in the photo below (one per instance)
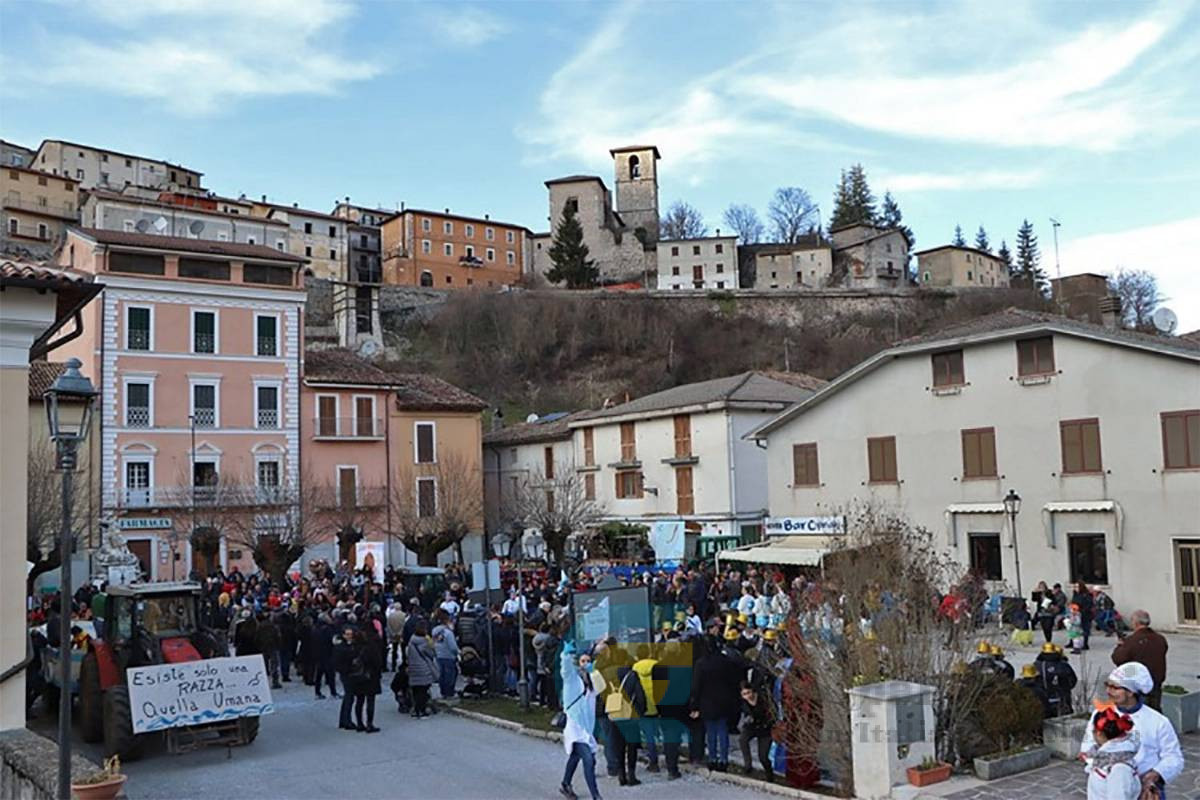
(91, 700)
(119, 738)
(248, 727)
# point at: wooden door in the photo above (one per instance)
(142, 549)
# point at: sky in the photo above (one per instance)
(969, 113)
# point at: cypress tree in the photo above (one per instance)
(981, 240)
(958, 240)
(1029, 273)
(569, 255)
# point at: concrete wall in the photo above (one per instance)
(29, 766)
(1124, 388)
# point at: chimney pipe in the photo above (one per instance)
(264, 198)
(1110, 312)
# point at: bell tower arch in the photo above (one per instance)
(635, 170)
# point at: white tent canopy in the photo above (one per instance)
(776, 553)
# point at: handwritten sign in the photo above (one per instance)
(198, 692)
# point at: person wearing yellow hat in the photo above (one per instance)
(1057, 678)
(1002, 667)
(732, 634)
(1031, 680)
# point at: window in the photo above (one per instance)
(720, 248)
(720, 284)
(363, 309)
(695, 249)
(628, 443)
(308, 250)
(426, 497)
(308, 227)
(683, 435)
(43, 231)
(491, 254)
(251, 240)
(1035, 356)
(78, 174)
(720, 267)
(425, 444)
(881, 459)
(447, 228)
(266, 335)
(205, 479)
(698, 272)
(508, 237)
(510, 258)
(589, 447)
(327, 410)
(549, 501)
(635, 168)
(333, 232)
(448, 249)
(204, 404)
(426, 278)
(138, 263)
(1080, 446)
(629, 485)
(426, 246)
(685, 500)
(203, 268)
(137, 483)
(571, 205)
(266, 407)
(204, 331)
(589, 486)
(138, 328)
(1181, 439)
(1089, 558)
(674, 270)
(805, 471)
(968, 275)
(426, 225)
(948, 368)
(279, 243)
(674, 250)
(469, 251)
(985, 555)
(979, 453)
(362, 240)
(489, 233)
(138, 408)
(267, 474)
(364, 415)
(468, 231)
(14, 226)
(333, 255)
(548, 463)
(347, 487)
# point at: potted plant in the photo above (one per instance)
(1013, 724)
(1181, 707)
(929, 771)
(1010, 762)
(103, 785)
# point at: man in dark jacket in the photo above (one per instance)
(285, 624)
(348, 666)
(1148, 647)
(322, 653)
(758, 711)
(715, 700)
(267, 638)
(1057, 678)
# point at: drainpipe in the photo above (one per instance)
(733, 504)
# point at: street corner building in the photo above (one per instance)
(1096, 428)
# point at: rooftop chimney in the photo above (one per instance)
(264, 198)
(447, 211)
(1110, 312)
(487, 216)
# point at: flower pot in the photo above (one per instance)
(989, 768)
(1064, 735)
(1183, 710)
(105, 790)
(925, 777)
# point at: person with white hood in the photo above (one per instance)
(581, 684)
(1111, 775)
(1159, 758)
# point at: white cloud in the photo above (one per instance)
(466, 26)
(196, 57)
(1167, 250)
(959, 181)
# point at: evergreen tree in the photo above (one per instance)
(569, 255)
(958, 241)
(981, 240)
(1006, 257)
(853, 201)
(890, 217)
(1029, 273)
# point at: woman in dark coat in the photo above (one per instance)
(370, 652)
(1087, 610)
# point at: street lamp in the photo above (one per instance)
(68, 404)
(1012, 507)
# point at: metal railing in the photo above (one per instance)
(205, 343)
(65, 210)
(42, 233)
(137, 498)
(205, 417)
(348, 427)
(138, 339)
(268, 418)
(268, 346)
(137, 417)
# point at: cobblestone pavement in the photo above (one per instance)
(1063, 780)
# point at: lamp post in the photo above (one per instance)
(1012, 507)
(522, 684)
(68, 404)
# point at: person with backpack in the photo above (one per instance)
(626, 705)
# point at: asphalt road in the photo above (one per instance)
(300, 753)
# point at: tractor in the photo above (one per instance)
(145, 624)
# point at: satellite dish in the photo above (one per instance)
(142, 225)
(532, 418)
(196, 226)
(1165, 320)
(160, 224)
(368, 348)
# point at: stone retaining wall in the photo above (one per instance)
(29, 766)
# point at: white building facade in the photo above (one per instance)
(1097, 430)
(709, 262)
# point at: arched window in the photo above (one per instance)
(635, 168)
(426, 278)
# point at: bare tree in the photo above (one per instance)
(1138, 292)
(43, 520)
(744, 221)
(557, 506)
(435, 506)
(682, 221)
(793, 213)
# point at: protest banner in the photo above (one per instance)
(196, 692)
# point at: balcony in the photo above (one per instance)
(139, 339)
(470, 261)
(137, 417)
(137, 498)
(348, 428)
(64, 210)
(363, 497)
(205, 343)
(269, 495)
(205, 417)
(268, 418)
(267, 346)
(369, 275)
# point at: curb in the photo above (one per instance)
(684, 766)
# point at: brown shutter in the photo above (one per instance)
(683, 435)
(326, 416)
(628, 442)
(424, 443)
(364, 416)
(685, 499)
(1090, 435)
(548, 455)
(970, 446)
(589, 486)
(347, 487)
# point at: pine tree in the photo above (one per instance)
(853, 201)
(1028, 273)
(1006, 257)
(569, 255)
(958, 241)
(981, 240)
(890, 217)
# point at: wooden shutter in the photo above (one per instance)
(979, 453)
(364, 416)
(589, 447)
(548, 454)
(425, 448)
(589, 486)
(881, 458)
(683, 435)
(685, 500)
(326, 416)
(628, 443)
(804, 465)
(347, 487)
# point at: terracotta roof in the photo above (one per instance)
(800, 379)
(984, 253)
(477, 220)
(1191, 336)
(882, 232)
(303, 212)
(551, 428)
(257, 252)
(41, 375)
(41, 173)
(104, 194)
(74, 290)
(747, 387)
(413, 392)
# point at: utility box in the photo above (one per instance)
(892, 729)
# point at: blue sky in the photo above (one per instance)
(969, 113)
